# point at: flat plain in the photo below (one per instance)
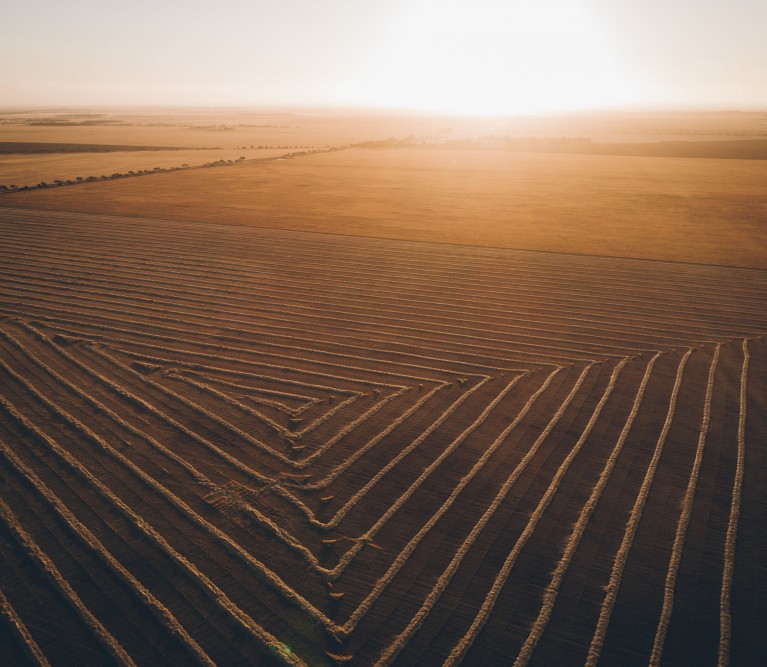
(387, 406)
(31, 168)
(680, 209)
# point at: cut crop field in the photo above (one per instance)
(231, 127)
(25, 147)
(32, 168)
(704, 211)
(239, 446)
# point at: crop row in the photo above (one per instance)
(417, 259)
(308, 308)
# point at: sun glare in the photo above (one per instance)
(489, 57)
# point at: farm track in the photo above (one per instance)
(227, 446)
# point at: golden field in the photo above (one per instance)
(227, 445)
(436, 403)
(31, 169)
(691, 210)
(234, 127)
(208, 136)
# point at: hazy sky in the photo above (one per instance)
(474, 56)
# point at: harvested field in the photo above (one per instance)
(30, 169)
(687, 210)
(189, 129)
(187, 126)
(24, 147)
(239, 446)
(739, 149)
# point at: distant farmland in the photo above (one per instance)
(671, 209)
(241, 446)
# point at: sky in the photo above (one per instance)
(487, 57)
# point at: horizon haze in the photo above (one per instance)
(481, 58)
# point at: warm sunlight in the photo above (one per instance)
(380, 333)
(491, 58)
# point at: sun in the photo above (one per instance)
(491, 58)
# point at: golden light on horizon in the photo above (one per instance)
(493, 58)
(490, 57)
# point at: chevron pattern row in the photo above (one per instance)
(238, 447)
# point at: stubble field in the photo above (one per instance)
(394, 406)
(234, 446)
(30, 168)
(679, 209)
